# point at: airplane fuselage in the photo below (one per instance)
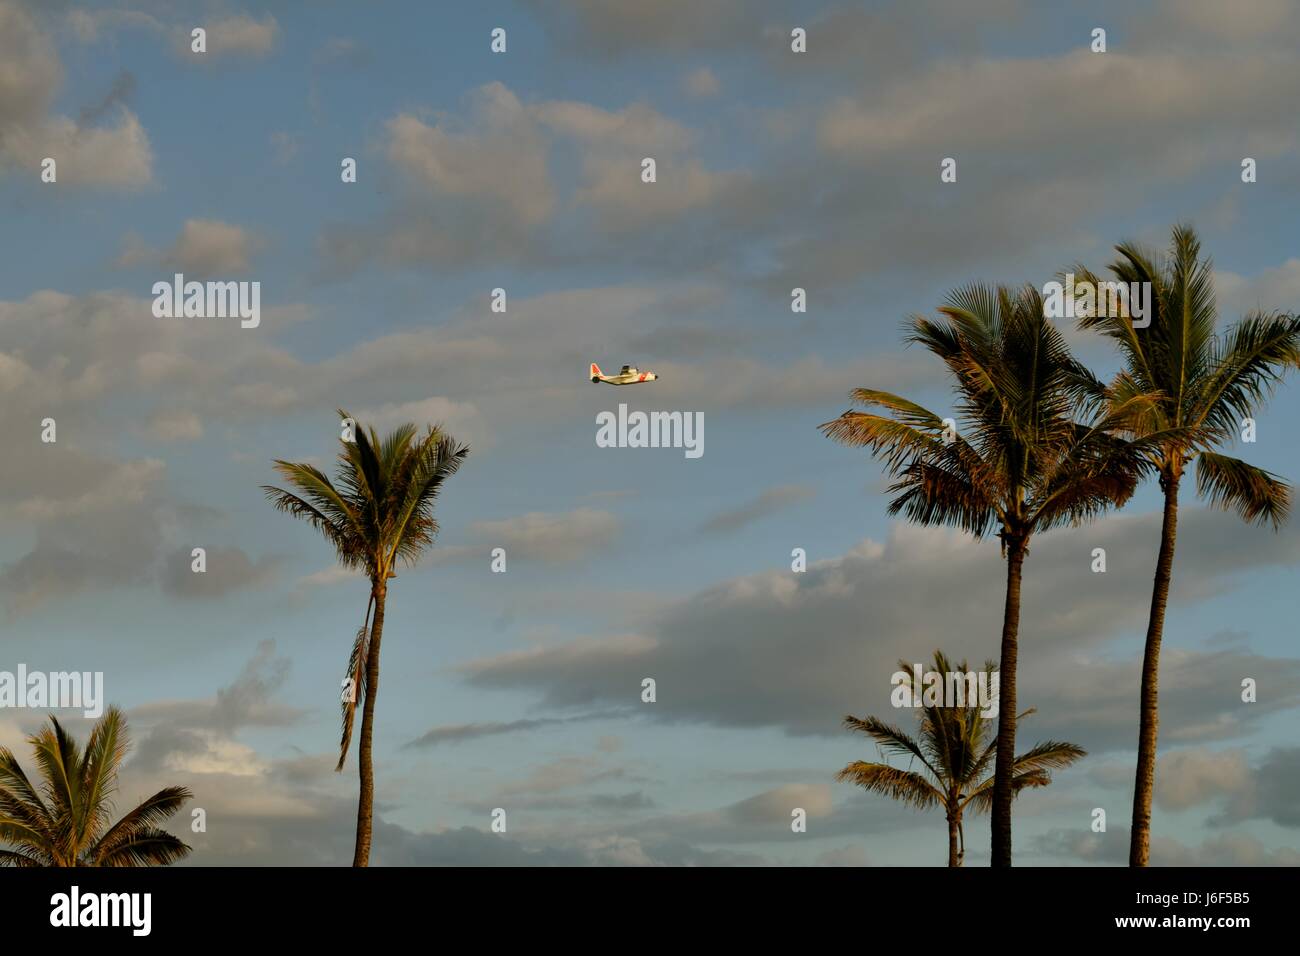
(628, 376)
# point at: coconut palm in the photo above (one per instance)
(951, 755)
(66, 821)
(1202, 386)
(379, 512)
(1013, 460)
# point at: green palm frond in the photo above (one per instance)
(1031, 769)
(929, 494)
(432, 462)
(981, 800)
(1050, 755)
(18, 858)
(890, 739)
(142, 821)
(23, 813)
(1258, 496)
(903, 785)
(145, 846)
(104, 754)
(59, 760)
(1243, 367)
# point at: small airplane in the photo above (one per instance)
(629, 375)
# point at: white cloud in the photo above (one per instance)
(556, 538)
(1006, 105)
(209, 247)
(498, 157)
(614, 143)
(1224, 22)
(480, 188)
(117, 155)
(93, 156)
(1275, 289)
(1189, 777)
(129, 482)
(172, 424)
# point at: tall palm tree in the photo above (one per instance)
(66, 821)
(380, 511)
(1012, 460)
(1201, 385)
(954, 753)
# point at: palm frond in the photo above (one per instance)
(435, 460)
(356, 673)
(141, 821)
(146, 846)
(1258, 496)
(17, 858)
(1049, 755)
(104, 754)
(1245, 365)
(903, 785)
(889, 738)
(59, 759)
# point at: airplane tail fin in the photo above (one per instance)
(595, 370)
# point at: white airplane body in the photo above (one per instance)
(630, 375)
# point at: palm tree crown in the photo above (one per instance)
(381, 510)
(66, 821)
(1014, 458)
(1196, 386)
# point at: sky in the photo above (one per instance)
(522, 170)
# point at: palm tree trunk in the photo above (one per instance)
(1145, 780)
(955, 850)
(366, 801)
(1006, 755)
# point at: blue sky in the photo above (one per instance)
(521, 171)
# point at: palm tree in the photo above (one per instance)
(954, 753)
(1201, 385)
(380, 511)
(1012, 460)
(66, 821)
